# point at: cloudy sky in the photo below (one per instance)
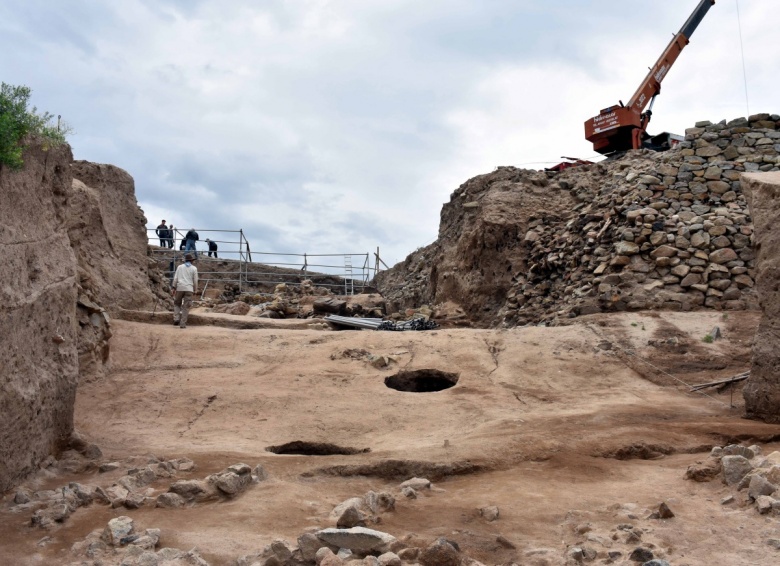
(335, 126)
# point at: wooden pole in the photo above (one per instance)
(735, 379)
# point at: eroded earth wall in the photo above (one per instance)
(38, 326)
(762, 392)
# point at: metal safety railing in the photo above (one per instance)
(232, 262)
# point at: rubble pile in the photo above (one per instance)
(226, 484)
(746, 470)
(132, 490)
(49, 507)
(633, 540)
(220, 277)
(640, 231)
(123, 542)
(286, 301)
(295, 301)
(350, 541)
(355, 538)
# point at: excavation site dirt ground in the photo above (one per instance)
(573, 432)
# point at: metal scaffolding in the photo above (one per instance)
(234, 263)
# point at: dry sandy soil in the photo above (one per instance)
(568, 430)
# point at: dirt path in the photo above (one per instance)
(564, 429)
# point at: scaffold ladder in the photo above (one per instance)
(349, 282)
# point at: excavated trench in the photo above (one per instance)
(402, 469)
(422, 381)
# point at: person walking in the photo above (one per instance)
(190, 238)
(212, 247)
(185, 283)
(162, 233)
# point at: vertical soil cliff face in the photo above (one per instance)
(107, 230)
(762, 392)
(74, 249)
(38, 322)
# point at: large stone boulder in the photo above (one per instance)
(357, 538)
(117, 529)
(762, 392)
(735, 468)
(441, 553)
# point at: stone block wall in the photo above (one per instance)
(670, 231)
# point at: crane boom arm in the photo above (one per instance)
(622, 127)
(651, 86)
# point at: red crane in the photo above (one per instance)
(623, 127)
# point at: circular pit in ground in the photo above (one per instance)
(422, 381)
(303, 448)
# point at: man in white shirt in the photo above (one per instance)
(185, 283)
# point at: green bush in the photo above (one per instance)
(17, 122)
(708, 339)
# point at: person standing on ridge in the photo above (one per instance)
(185, 283)
(212, 247)
(190, 238)
(162, 233)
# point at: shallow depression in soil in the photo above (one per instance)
(304, 448)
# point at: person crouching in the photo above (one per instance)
(212, 248)
(185, 283)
